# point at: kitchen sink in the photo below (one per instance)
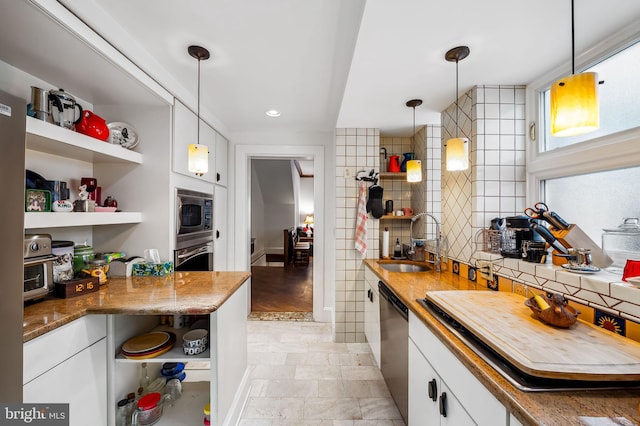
(404, 267)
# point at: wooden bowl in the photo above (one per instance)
(557, 315)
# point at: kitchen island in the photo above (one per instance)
(72, 346)
(604, 407)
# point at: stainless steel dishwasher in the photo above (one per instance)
(394, 346)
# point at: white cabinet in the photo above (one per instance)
(222, 160)
(465, 395)
(372, 313)
(69, 365)
(185, 132)
(221, 230)
(431, 402)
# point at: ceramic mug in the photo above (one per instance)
(399, 213)
(407, 211)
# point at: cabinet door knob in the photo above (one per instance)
(433, 390)
(443, 404)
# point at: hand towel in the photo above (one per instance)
(361, 221)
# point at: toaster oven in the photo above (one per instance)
(38, 266)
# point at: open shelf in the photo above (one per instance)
(56, 140)
(393, 175)
(392, 217)
(64, 219)
(189, 409)
(176, 353)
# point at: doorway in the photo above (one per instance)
(243, 212)
(281, 203)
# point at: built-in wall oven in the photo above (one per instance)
(194, 231)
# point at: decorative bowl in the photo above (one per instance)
(558, 314)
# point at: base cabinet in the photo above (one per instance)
(431, 402)
(372, 313)
(466, 400)
(69, 365)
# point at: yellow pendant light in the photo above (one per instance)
(198, 154)
(457, 149)
(414, 167)
(574, 100)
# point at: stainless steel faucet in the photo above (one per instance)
(437, 260)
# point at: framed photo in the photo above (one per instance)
(37, 200)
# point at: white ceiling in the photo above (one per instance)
(346, 63)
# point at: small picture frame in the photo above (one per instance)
(37, 200)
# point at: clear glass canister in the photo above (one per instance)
(622, 243)
(98, 268)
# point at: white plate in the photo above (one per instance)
(634, 280)
(123, 134)
(581, 269)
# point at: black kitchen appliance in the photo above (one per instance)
(517, 230)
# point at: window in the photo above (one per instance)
(592, 180)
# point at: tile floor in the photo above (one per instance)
(299, 377)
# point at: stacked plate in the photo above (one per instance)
(194, 342)
(148, 345)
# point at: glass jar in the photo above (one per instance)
(122, 416)
(149, 409)
(98, 268)
(622, 243)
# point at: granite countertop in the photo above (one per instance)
(619, 407)
(179, 293)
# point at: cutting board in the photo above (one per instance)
(503, 322)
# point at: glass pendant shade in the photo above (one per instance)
(198, 159)
(574, 105)
(414, 171)
(457, 154)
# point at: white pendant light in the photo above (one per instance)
(198, 154)
(574, 100)
(414, 167)
(457, 149)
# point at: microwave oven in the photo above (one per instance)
(194, 213)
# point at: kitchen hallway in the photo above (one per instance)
(299, 376)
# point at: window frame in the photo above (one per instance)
(615, 151)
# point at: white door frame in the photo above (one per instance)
(242, 211)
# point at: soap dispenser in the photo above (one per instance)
(397, 250)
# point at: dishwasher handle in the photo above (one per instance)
(389, 296)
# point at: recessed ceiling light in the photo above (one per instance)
(273, 113)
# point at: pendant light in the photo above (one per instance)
(574, 100)
(414, 167)
(457, 149)
(198, 154)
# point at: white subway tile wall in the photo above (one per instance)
(356, 149)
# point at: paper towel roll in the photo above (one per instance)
(385, 243)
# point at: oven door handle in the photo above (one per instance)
(191, 253)
(39, 260)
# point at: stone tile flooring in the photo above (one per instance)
(299, 377)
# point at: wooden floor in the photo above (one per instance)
(282, 289)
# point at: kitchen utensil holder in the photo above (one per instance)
(491, 240)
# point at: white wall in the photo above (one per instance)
(257, 220)
(306, 199)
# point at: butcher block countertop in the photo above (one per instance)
(602, 408)
(179, 293)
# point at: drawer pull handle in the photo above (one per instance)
(443, 404)
(433, 390)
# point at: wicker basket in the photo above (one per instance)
(558, 314)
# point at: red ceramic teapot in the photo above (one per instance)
(93, 125)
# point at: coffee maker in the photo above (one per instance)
(517, 230)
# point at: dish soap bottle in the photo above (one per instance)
(397, 250)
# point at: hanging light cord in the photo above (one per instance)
(198, 126)
(457, 97)
(573, 43)
(413, 138)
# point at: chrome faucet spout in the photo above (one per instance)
(437, 259)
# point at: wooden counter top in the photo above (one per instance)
(603, 408)
(179, 293)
